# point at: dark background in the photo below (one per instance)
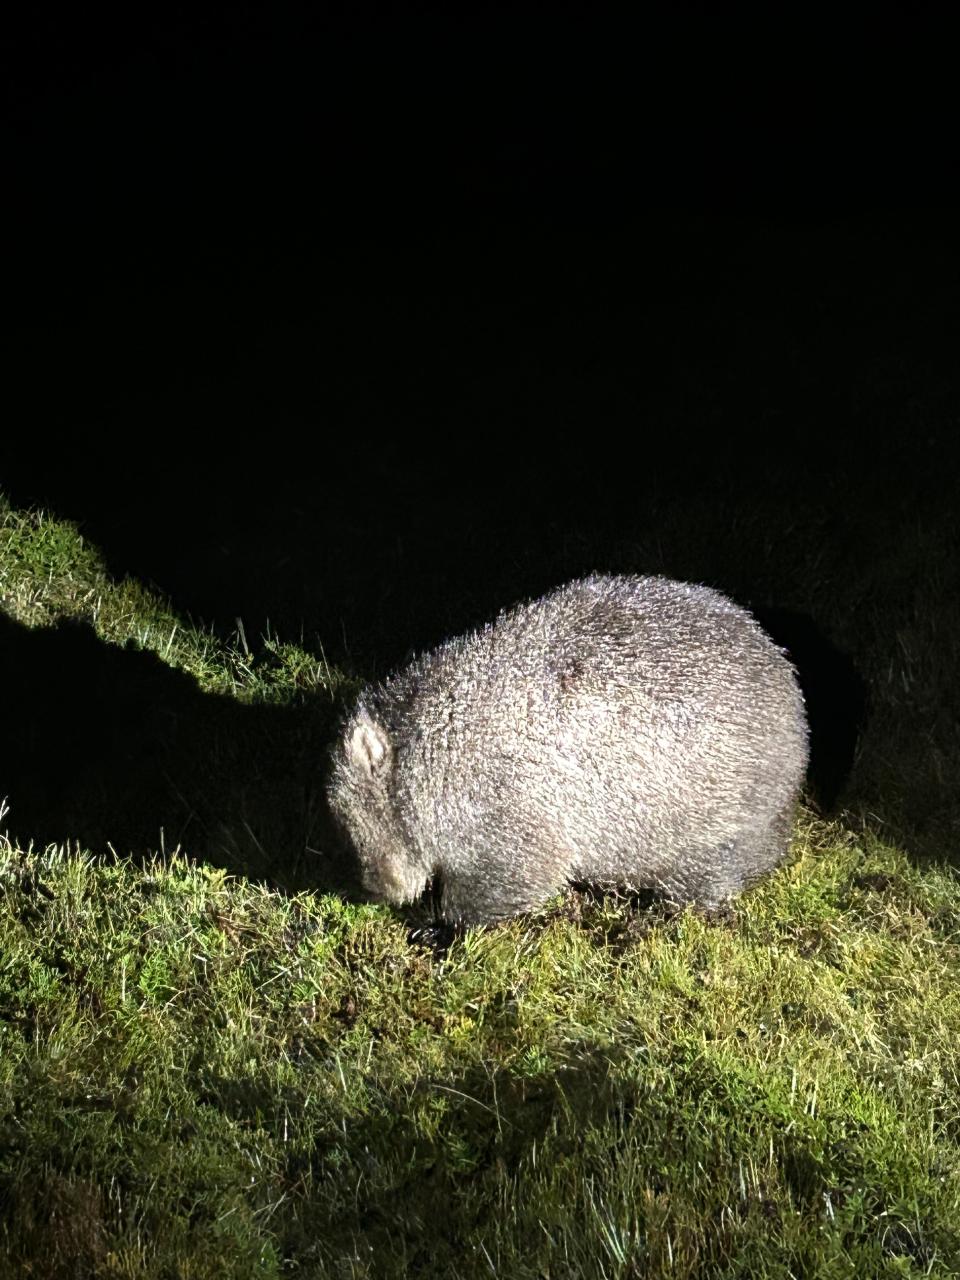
(369, 320)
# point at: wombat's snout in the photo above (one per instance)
(392, 884)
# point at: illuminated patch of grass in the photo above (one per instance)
(48, 572)
(200, 1077)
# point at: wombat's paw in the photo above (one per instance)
(438, 937)
(724, 913)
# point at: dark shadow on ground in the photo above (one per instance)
(835, 697)
(112, 748)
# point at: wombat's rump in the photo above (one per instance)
(621, 730)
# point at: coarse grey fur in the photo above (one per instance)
(622, 730)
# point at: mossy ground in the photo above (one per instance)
(204, 1074)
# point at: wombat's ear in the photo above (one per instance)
(368, 747)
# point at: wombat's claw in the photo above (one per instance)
(438, 937)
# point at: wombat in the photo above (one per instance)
(623, 731)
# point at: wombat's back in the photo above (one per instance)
(623, 730)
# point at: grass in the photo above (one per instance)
(49, 573)
(204, 1078)
(205, 1075)
(144, 730)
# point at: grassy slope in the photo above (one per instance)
(203, 1077)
